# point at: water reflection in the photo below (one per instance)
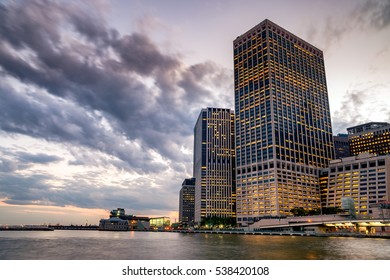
(157, 245)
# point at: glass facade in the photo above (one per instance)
(283, 126)
(160, 223)
(214, 164)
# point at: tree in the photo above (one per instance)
(214, 221)
(300, 211)
(331, 210)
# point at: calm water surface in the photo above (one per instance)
(92, 245)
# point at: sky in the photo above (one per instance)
(98, 100)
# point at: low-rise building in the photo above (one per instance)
(364, 178)
(120, 221)
(114, 224)
(160, 223)
(373, 137)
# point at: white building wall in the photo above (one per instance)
(364, 178)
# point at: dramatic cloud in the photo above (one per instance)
(365, 15)
(375, 13)
(353, 37)
(109, 99)
(350, 112)
(356, 110)
(95, 115)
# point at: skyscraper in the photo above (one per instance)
(283, 125)
(187, 201)
(214, 164)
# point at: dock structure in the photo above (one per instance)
(25, 228)
(320, 225)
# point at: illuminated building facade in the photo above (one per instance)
(160, 223)
(187, 201)
(364, 178)
(373, 138)
(283, 125)
(214, 164)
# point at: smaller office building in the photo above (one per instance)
(187, 202)
(373, 138)
(364, 178)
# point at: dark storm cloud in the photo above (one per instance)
(144, 57)
(33, 189)
(209, 73)
(110, 99)
(13, 160)
(7, 165)
(354, 108)
(375, 13)
(350, 111)
(370, 14)
(24, 189)
(37, 158)
(42, 116)
(87, 74)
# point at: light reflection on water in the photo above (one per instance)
(90, 245)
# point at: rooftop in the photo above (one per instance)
(366, 127)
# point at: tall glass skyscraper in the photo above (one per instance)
(214, 164)
(283, 125)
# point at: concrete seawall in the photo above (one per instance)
(273, 233)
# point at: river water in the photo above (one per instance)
(102, 245)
